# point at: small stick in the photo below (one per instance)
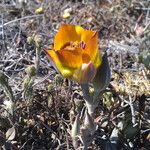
(19, 19)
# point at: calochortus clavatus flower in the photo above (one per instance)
(76, 56)
(75, 53)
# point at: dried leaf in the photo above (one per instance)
(10, 134)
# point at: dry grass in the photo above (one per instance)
(42, 116)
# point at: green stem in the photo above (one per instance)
(88, 98)
(6, 87)
(86, 93)
(37, 59)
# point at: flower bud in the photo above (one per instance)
(30, 40)
(58, 80)
(39, 10)
(38, 40)
(102, 78)
(31, 71)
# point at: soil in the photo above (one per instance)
(37, 109)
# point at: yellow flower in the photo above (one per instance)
(67, 13)
(75, 53)
(39, 10)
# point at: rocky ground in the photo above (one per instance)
(36, 109)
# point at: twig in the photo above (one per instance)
(145, 9)
(147, 16)
(132, 109)
(22, 147)
(43, 79)
(19, 19)
(3, 35)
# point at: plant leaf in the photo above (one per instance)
(10, 134)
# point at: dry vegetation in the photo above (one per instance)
(36, 111)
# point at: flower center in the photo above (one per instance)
(72, 45)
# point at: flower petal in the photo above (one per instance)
(85, 74)
(66, 61)
(67, 33)
(91, 40)
(87, 35)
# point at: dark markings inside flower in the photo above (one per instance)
(72, 45)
